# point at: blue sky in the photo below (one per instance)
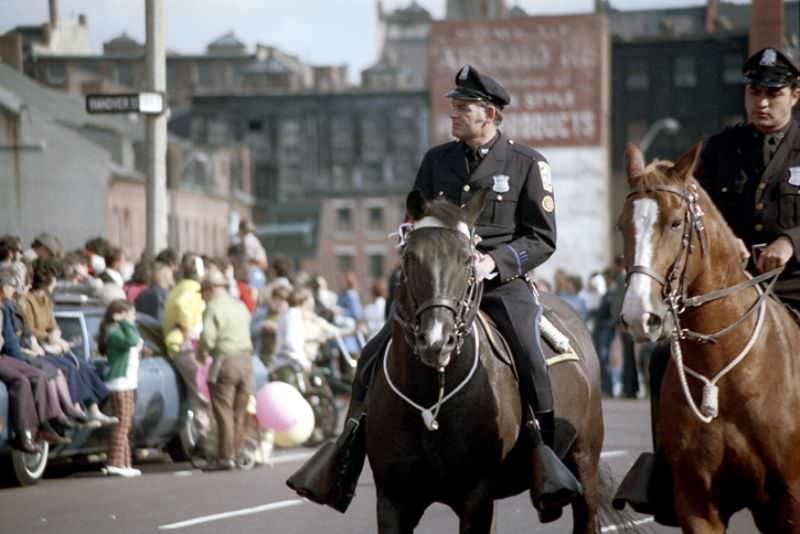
(319, 31)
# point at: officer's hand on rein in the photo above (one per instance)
(775, 255)
(741, 248)
(484, 265)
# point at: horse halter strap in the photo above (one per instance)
(464, 308)
(693, 222)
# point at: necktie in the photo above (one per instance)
(770, 146)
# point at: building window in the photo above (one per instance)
(732, 69)
(56, 73)
(344, 219)
(172, 74)
(123, 74)
(376, 265)
(202, 74)
(685, 75)
(344, 262)
(636, 78)
(376, 218)
(126, 237)
(115, 226)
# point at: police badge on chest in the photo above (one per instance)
(794, 176)
(500, 185)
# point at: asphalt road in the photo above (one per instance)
(174, 498)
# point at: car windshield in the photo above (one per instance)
(72, 333)
(93, 326)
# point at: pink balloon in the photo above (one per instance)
(201, 379)
(278, 406)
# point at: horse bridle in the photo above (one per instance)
(693, 222)
(464, 308)
(676, 297)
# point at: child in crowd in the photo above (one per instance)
(278, 302)
(119, 340)
(291, 331)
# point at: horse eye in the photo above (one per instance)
(677, 223)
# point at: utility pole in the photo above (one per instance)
(156, 129)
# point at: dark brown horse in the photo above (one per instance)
(469, 451)
(728, 413)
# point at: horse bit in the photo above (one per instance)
(464, 310)
(678, 301)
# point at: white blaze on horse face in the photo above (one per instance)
(436, 333)
(638, 303)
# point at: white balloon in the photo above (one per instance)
(300, 431)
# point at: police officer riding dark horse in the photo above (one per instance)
(518, 233)
(751, 172)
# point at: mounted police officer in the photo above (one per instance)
(518, 233)
(752, 173)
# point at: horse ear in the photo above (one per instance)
(634, 162)
(415, 205)
(684, 167)
(472, 209)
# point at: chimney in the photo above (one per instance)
(53, 13)
(712, 6)
(766, 25)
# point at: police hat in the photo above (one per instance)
(771, 68)
(474, 86)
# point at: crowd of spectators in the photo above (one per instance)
(292, 316)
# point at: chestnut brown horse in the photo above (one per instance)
(729, 412)
(447, 427)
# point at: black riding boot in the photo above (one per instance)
(330, 476)
(553, 486)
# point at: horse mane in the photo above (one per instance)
(447, 212)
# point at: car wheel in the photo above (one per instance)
(182, 445)
(326, 418)
(29, 468)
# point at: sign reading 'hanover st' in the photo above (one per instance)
(148, 103)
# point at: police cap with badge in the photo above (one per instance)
(473, 86)
(770, 68)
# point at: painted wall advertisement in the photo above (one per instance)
(556, 71)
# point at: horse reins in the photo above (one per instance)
(678, 301)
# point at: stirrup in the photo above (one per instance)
(331, 475)
(647, 487)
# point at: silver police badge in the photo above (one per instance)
(768, 58)
(500, 183)
(794, 176)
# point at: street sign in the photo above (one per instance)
(147, 103)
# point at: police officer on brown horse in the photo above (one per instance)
(518, 233)
(752, 173)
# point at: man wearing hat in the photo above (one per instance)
(518, 233)
(226, 339)
(752, 173)
(47, 246)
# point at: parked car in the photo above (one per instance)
(163, 418)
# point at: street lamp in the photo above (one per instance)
(670, 124)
